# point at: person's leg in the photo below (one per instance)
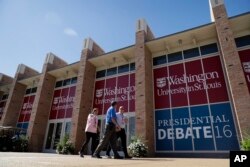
(104, 141)
(93, 143)
(87, 138)
(108, 150)
(124, 143)
(113, 140)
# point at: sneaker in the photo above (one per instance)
(108, 156)
(96, 156)
(80, 154)
(118, 157)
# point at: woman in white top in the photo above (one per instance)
(90, 131)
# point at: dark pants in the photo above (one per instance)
(122, 135)
(87, 139)
(108, 137)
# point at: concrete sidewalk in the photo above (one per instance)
(55, 160)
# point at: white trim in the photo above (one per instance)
(21, 69)
(188, 101)
(242, 48)
(141, 25)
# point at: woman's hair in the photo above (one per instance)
(94, 109)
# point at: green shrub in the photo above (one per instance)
(245, 143)
(137, 148)
(20, 144)
(65, 146)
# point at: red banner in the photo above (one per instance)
(123, 95)
(180, 84)
(99, 95)
(245, 61)
(119, 88)
(161, 85)
(109, 93)
(26, 108)
(62, 105)
(195, 84)
(177, 86)
(215, 82)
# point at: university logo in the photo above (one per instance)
(56, 100)
(161, 82)
(246, 66)
(99, 93)
(25, 106)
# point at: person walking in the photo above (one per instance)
(122, 121)
(90, 132)
(109, 134)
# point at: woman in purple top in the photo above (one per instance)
(91, 131)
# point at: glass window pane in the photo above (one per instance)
(49, 136)
(33, 90)
(100, 74)
(66, 82)
(123, 68)
(73, 80)
(191, 53)
(207, 49)
(67, 128)
(5, 97)
(159, 60)
(131, 132)
(132, 66)
(174, 57)
(242, 41)
(58, 84)
(111, 71)
(28, 91)
(57, 134)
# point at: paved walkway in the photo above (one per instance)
(54, 160)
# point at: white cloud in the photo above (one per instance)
(70, 32)
(53, 18)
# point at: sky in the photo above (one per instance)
(29, 29)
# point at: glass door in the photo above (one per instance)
(55, 132)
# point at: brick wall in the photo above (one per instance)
(84, 95)
(41, 106)
(15, 100)
(4, 79)
(234, 72)
(144, 94)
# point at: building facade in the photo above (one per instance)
(185, 94)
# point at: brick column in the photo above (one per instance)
(42, 104)
(84, 92)
(5, 79)
(232, 65)
(15, 100)
(144, 86)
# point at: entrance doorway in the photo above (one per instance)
(56, 130)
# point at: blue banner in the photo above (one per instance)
(198, 128)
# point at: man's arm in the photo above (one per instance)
(114, 119)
